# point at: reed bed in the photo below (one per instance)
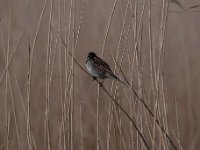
(49, 101)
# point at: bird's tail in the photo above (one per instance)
(116, 78)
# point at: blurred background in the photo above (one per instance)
(48, 102)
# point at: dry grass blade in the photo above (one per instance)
(81, 128)
(14, 112)
(98, 99)
(11, 58)
(108, 28)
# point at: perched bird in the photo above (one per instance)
(99, 69)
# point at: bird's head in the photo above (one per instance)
(91, 55)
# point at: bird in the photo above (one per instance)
(99, 69)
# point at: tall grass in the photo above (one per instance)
(132, 117)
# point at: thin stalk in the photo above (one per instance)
(30, 64)
(81, 128)
(14, 111)
(47, 131)
(108, 27)
(98, 138)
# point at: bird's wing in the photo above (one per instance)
(102, 65)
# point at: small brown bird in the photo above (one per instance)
(99, 69)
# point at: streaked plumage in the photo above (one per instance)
(99, 69)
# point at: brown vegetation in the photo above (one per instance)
(48, 101)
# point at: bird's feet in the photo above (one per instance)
(100, 84)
